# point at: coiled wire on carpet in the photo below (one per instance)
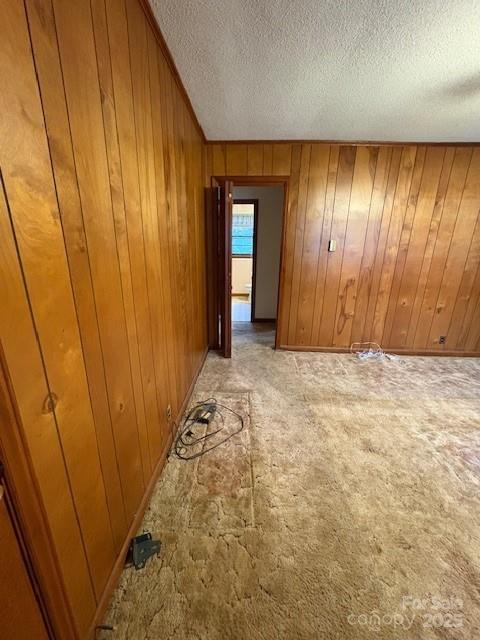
(200, 414)
(370, 350)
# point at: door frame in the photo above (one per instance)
(253, 201)
(267, 181)
(219, 264)
(32, 528)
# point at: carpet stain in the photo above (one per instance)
(348, 508)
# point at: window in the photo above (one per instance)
(242, 228)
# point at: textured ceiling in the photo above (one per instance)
(328, 69)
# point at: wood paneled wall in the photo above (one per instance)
(406, 222)
(102, 276)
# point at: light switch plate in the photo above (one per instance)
(332, 245)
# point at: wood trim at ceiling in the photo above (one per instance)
(171, 64)
(350, 143)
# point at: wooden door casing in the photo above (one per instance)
(225, 219)
(20, 614)
(220, 244)
(28, 497)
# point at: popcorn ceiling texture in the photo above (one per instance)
(354, 484)
(329, 69)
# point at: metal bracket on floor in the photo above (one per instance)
(141, 549)
(102, 627)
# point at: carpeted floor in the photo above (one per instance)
(348, 508)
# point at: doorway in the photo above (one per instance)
(244, 241)
(257, 221)
(245, 237)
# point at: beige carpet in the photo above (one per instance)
(349, 507)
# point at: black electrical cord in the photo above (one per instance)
(212, 407)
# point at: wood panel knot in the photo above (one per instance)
(50, 402)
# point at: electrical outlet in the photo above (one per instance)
(442, 339)
(169, 413)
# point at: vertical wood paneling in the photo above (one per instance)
(172, 213)
(200, 271)
(268, 159)
(162, 234)
(402, 191)
(236, 160)
(326, 232)
(289, 235)
(387, 208)
(315, 209)
(176, 183)
(43, 34)
(406, 266)
(413, 249)
(207, 164)
(353, 251)
(470, 336)
(30, 190)
(473, 340)
(281, 159)
(145, 406)
(401, 250)
(372, 240)
(299, 238)
(102, 259)
(82, 91)
(255, 159)
(198, 197)
(137, 34)
(171, 227)
(465, 304)
(456, 185)
(408, 334)
(40, 428)
(346, 165)
(219, 166)
(117, 32)
(182, 238)
(462, 240)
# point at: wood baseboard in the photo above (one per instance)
(120, 561)
(403, 352)
(272, 320)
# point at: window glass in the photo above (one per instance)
(242, 229)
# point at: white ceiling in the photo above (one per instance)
(328, 69)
